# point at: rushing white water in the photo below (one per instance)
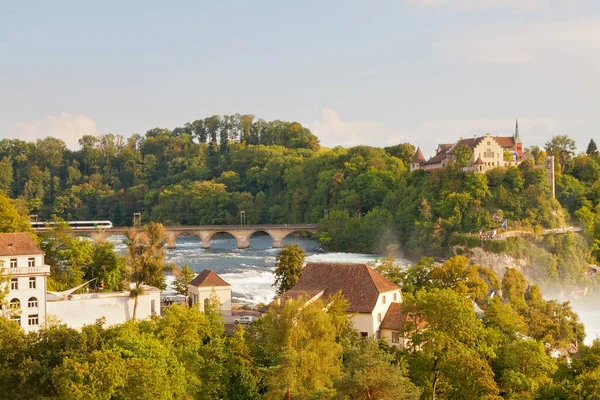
(249, 271)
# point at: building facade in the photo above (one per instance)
(31, 305)
(370, 296)
(23, 262)
(487, 152)
(206, 284)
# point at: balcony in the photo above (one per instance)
(27, 270)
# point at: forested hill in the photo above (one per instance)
(207, 171)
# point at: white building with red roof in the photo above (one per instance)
(370, 296)
(23, 261)
(487, 152)
(206, 284)
(30, 304)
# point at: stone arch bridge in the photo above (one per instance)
(241, 233)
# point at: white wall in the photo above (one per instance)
(199, 294)
(382, 307)
(24, 293)
(115, 307)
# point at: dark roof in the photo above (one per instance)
(208, 278)
(18, 244)
(394, 319)
(439, 157)
(479, 161)
(418, 157)
(505, 141)
(472, 143)
(359, 283)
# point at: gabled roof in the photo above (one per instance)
(18, 244)
(479, 161)
(208, 278)
(359, 283)
(505, 141)
(418, 157)
(394, 319)
(472, 143)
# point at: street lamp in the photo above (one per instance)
(242, 217)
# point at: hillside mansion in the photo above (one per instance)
(487, 152)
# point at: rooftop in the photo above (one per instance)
(208, 278)
(359, 283)
(18, 244)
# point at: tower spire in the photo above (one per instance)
(516, 136)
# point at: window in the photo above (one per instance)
(15, 304)
(33, 320)
(395, 337)
(13, 263)
(31, 262)
(17, 319)
(32, 283)
(14, 284)
(395, 298)
(32, 302)
(379, 317)
(382, 299)
(489, 143)
(364, 335)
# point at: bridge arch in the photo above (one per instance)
(256, 234)
(210, 235)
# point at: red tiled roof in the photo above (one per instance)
(208, 278)
(359, 283)
(505, 141)
(18, 244)
(394, 319)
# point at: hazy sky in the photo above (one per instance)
(355, 72)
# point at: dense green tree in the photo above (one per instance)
(183, 276)
(300, 340)
(145, 259)
(563, 149)
(592, 149)
(370, 373)
(288, 268)
(12, 216)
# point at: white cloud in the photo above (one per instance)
(332, 131)
(65, 126)
(566, 51)
(481, 4)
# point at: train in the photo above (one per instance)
(75, 225)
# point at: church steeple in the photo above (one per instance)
(516, 136)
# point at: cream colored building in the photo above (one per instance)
(488, 152)
(23, 261)
(204, 285)
(370, 296)
(30, 304)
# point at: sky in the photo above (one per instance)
(355, 72)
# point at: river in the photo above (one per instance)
(250, 271)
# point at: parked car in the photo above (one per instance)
(246, 320)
